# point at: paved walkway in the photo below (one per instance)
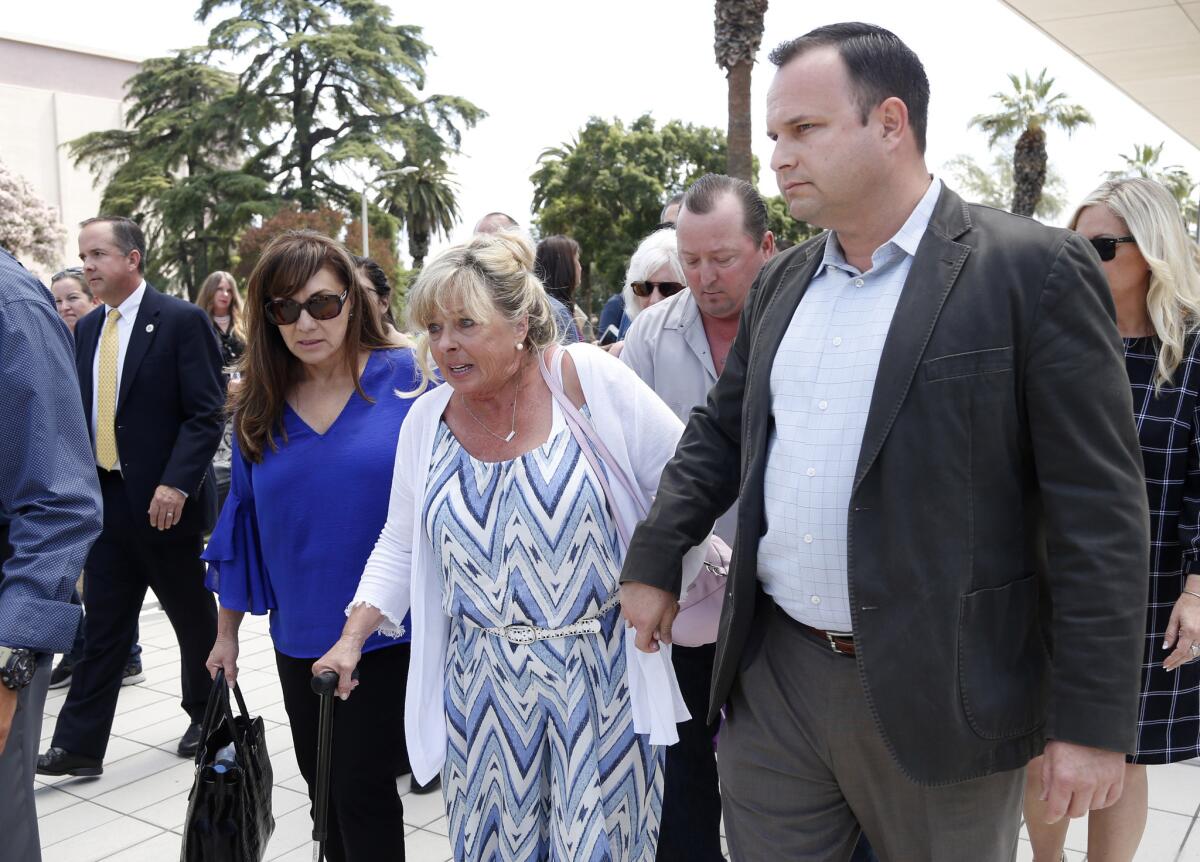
(134, 812)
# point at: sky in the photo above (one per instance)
(541, 68)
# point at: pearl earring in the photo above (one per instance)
(520, 345)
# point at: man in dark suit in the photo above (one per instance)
(150, 376)
(927, 415)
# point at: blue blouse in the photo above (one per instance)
(296, 530)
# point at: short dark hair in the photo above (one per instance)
(879, 65)
(703, 194)
(377, 280)
(671, 201)
(126, 234)
(554, 265)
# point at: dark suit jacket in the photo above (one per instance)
(169, 407)
(998, 510)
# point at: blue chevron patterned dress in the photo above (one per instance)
(542, 761)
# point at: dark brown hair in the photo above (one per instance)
(267, 367)
(554, 264)
(879, 66)
(703, 194)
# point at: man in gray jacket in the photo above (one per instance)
(942, 538)
(678, 347)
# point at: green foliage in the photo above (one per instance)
(606, 187)
(787, 230)
(176, 169)
(1176, 180)
(993, 186)
(328, 221)
(425, 202)
(329, 82)
(1025, 114)
(1030, 105)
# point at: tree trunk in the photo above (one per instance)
(1029, 171)
(739, 159)
(418, 247)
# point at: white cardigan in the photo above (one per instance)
(402, 572)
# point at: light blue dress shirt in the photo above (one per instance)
(821, 385)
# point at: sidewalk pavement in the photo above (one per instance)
(134, 812)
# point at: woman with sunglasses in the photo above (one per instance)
(654, 274)
(316, 417)
(1153, 270)
(72, 296)
(525, 683)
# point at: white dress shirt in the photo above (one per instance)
(125, 324)
(821, 385)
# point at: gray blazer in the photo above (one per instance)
(998, 514)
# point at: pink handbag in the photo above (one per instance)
(700, 608)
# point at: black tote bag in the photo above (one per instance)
(229, 815)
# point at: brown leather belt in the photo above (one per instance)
(839, 643)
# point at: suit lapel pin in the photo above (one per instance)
(149, 327)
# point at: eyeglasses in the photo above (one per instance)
(323, 306)
(1106, 246)
(645, 288)
(69, 272)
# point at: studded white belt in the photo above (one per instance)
(520, 633)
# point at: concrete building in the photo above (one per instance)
(51, 94)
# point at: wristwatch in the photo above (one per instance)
(17, 667)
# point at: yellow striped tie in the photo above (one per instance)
(106, 394)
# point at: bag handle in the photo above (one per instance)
(594, 449)
(218, 709)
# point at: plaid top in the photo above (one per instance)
(1168, 426)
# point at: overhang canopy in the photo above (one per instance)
(1150, 49)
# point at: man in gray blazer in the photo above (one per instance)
(942, 539)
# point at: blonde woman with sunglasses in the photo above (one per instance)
(1153, 271)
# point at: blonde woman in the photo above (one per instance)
(1153, 270)
(525, 690)
(222, 303)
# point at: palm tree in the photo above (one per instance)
(1176, 180)
(992, 185)
(738, 33)
(1027, 112)
(426, 204)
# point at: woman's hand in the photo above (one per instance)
(224, 655)
(342, 659)
(1183, 630)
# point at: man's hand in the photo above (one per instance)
(8, 708)
(166, 507)
(1077, 779)
(649, 610)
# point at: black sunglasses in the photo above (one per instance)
(1106, 246)
(69, 272)
(323, 306)
(645, 288)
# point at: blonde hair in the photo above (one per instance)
(1173, 300)
(208, 291)
(491, 273)
(659, 249)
